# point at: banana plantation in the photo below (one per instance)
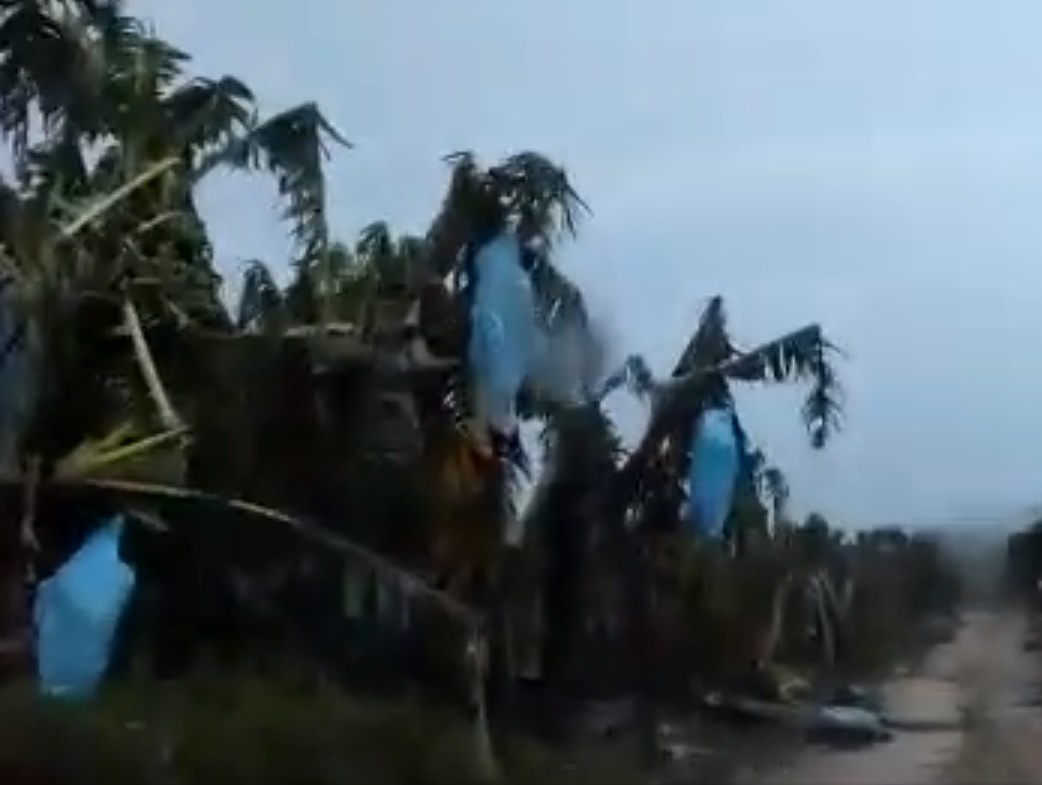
(327, 478)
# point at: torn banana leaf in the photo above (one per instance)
(124, 455)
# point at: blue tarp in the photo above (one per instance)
(712, 472)
(76, 612)
(503, 330)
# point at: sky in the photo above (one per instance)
(872, 166)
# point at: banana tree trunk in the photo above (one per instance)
(17, 552)
(638, 629)
(777, 624)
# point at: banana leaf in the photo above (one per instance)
(124, 455)
(182, 505)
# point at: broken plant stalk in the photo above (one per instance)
(109, 201)
(157, 392)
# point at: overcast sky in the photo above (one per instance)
(876, 166)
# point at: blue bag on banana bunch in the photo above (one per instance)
(712, 472)
(503, 331)
(76, 612)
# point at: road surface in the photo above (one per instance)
(968, 702)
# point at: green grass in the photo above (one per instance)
(257, 731)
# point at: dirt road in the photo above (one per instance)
(1002, 742)
(967, 702)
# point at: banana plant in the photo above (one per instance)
(646, 490)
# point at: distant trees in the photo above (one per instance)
(1023, 567)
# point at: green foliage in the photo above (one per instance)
(805, 596)
(1023, 563)
(245, 730)
(344, 394)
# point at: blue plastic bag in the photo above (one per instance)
(76, 612)
(712, 472)
(503, 330)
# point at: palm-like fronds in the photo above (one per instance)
(538, 196)
(535, 195)
(797, 356)
(293, 145)
(711, 344)
(397, 264)
(802, 355)
(39, 62)
(207, 114)
(683, 395)
(261, 302)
